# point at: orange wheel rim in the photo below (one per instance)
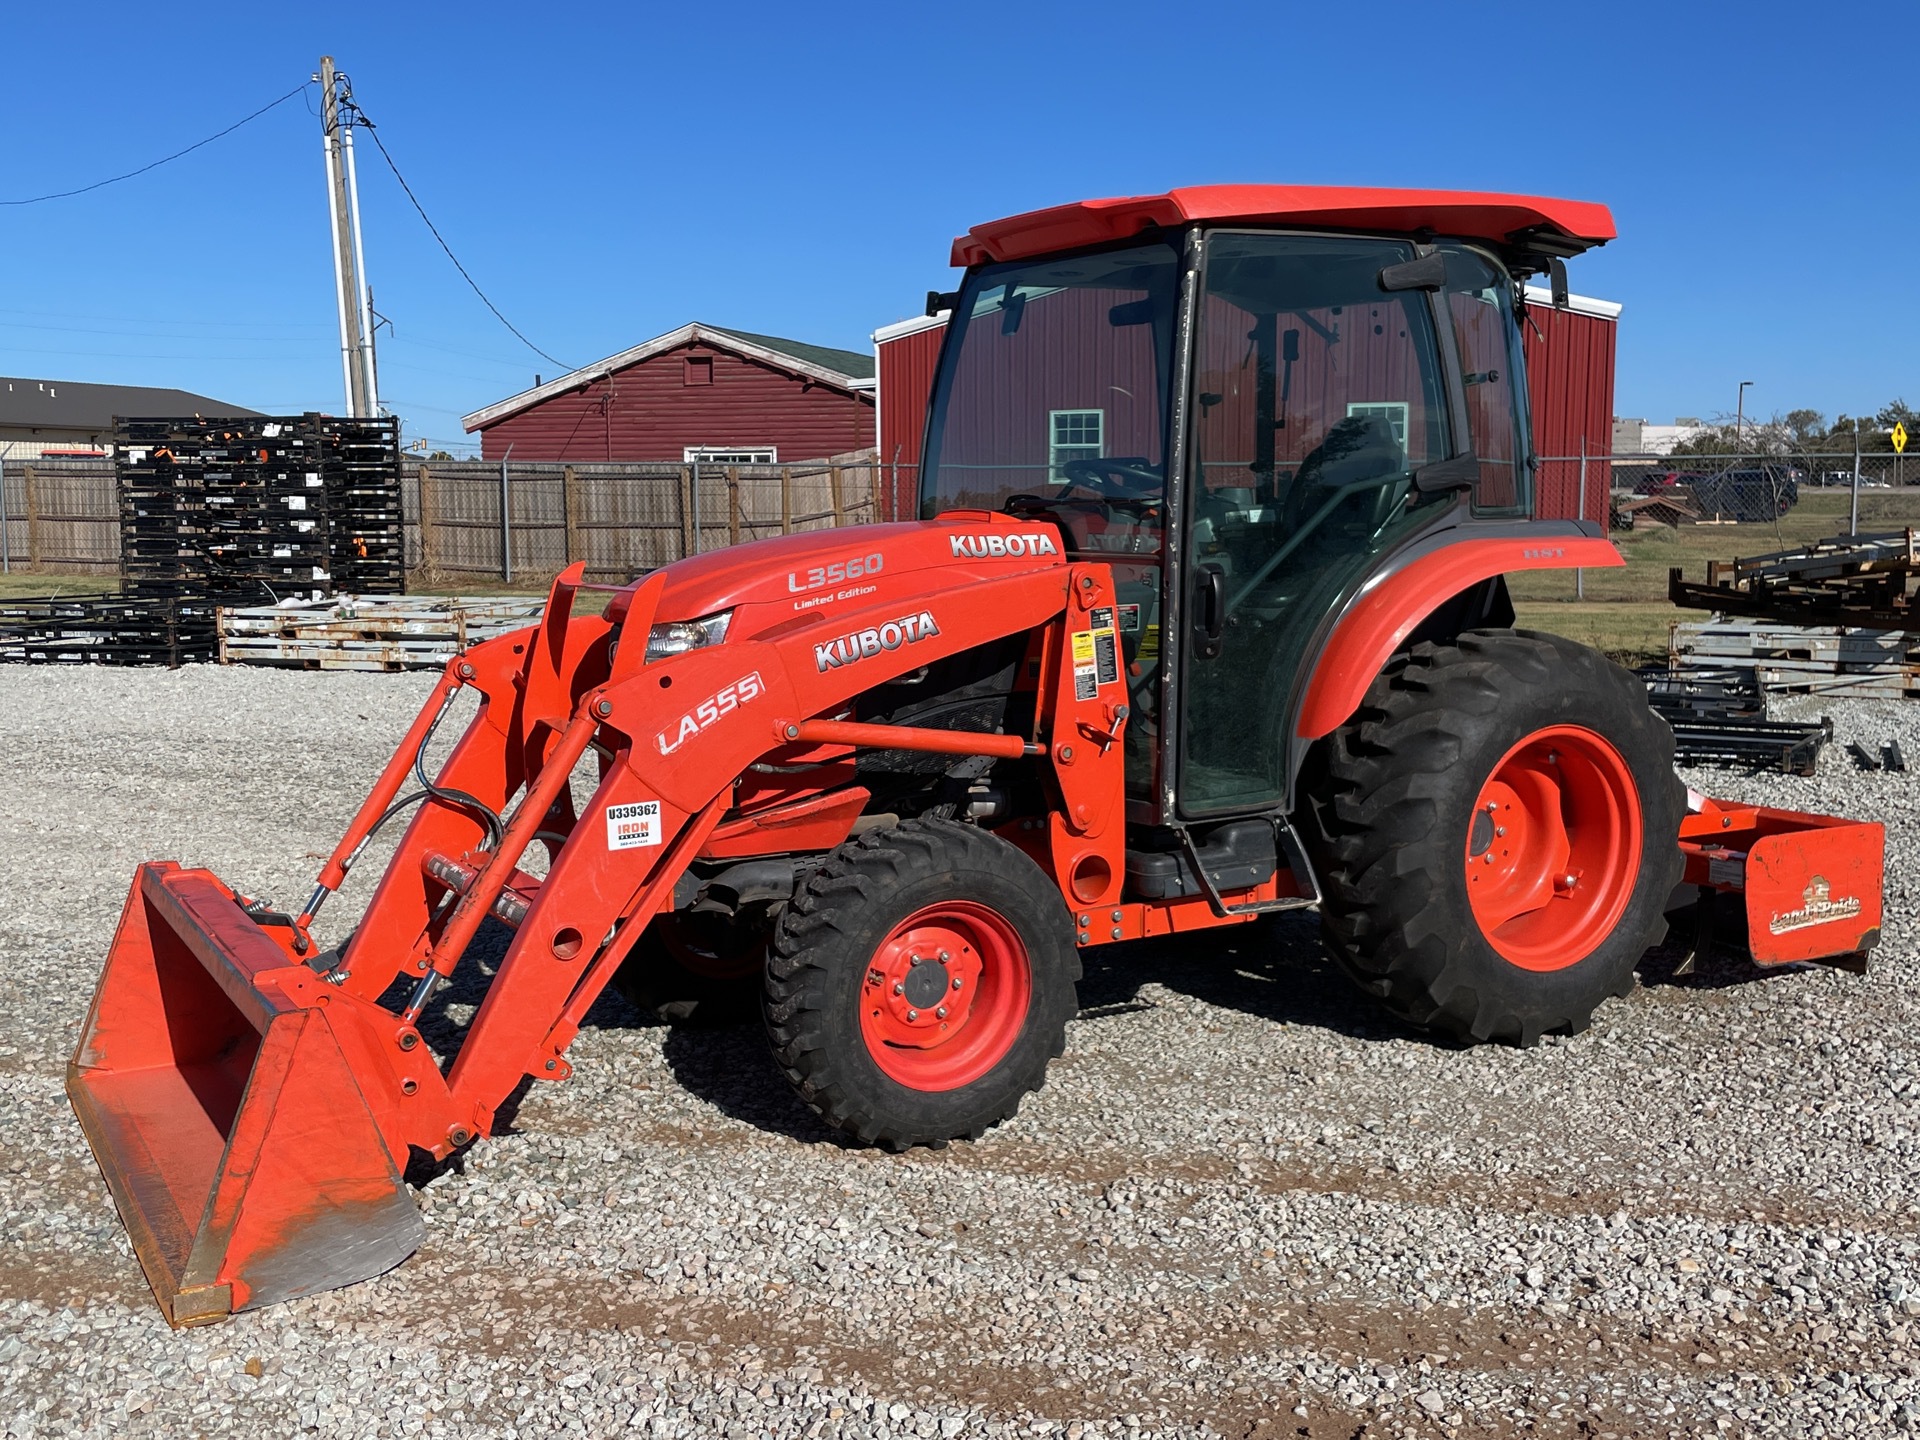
(945, 996)
(1553, 848)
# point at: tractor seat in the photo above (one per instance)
(1360, 447)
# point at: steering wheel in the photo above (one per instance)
(1108, 477)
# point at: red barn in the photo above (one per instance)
(1570, 382)
(700, 392)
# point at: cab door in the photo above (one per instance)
(1315, 395)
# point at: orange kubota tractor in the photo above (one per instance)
(1203, 618)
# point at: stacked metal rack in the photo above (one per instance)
(230, 512)
(226, 513)
(1719, 717)
(102, 630)
(361, 466)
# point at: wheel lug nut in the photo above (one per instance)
(941, 1013)
(913, 1014)
(899, 989)
(956, 982)
(1499, 829)
(945, 957)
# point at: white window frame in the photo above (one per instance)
(1058, 454)
(1395, 412)
(731, 455)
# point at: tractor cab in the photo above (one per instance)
(1248, 401)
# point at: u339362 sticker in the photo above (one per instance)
(633, 827)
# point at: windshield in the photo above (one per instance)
(1050, 367)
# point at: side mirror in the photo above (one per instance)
(1462, 472)
(938, 300)
(1426, 272)
(1290, 347)
(1131, 312)
(1557, 279)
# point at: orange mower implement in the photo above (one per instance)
(1205, 619)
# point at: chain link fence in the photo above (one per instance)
(62, 516)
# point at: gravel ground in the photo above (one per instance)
(1246, 1204)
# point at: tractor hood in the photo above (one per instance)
(769, 582)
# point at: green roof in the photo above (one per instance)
(851, 363)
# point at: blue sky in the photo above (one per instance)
(610, 172)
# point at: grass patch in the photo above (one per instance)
(33, 585)
(1624, 612)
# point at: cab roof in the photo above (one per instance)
(1526, 223)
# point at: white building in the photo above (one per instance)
(1637, 437)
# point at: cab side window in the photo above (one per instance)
(1480, 305)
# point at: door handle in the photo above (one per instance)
(1212, 619)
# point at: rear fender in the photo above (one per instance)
(1392, 606)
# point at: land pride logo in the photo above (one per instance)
(982, 547)
(1817, 907)
(865, 644)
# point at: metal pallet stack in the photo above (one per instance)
(97, 629)
(1719, 717)
(367, 552)
(247, 512)
(1835, 617)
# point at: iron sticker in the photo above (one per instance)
(633, 827)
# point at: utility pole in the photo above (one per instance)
(1740, 416)
(349, 261)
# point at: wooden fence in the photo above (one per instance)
(63, 516)
(621, 519)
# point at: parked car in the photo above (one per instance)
(1762, 492)
(1660, 482)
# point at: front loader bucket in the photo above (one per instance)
(227, 1120)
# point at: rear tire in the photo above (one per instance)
(695, 969)
(1450, 812)
(898, 1053)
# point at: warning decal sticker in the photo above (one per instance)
(633, 827)
(1086, 671)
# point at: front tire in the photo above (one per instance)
(1497, 835)
(920, 983)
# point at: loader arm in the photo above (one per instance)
(671, 741)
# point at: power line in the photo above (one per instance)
(155, 165)
(369, 126)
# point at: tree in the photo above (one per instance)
(1807, 428)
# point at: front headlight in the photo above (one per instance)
(677, 637)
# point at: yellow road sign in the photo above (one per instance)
(1899, 438)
